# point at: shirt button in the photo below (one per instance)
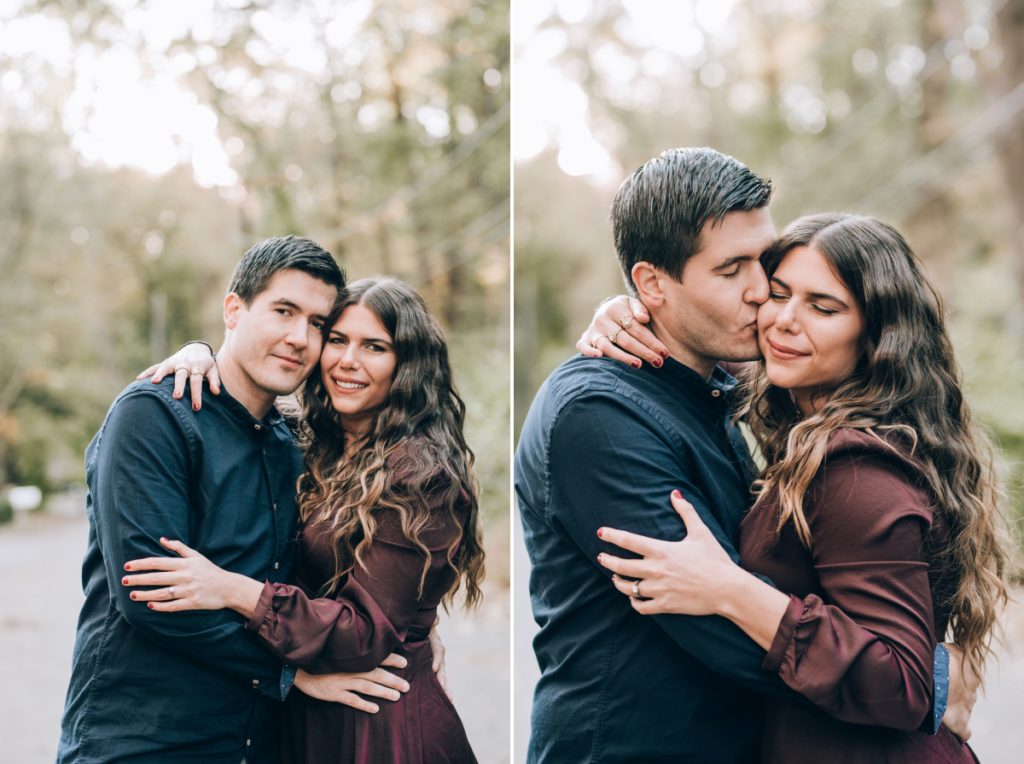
(715, 393)
(275, 506)
(255, 682)
(257, 427)
(248, 742)
(277, 566)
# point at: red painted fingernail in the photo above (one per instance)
(600, 532)
(133, 596)
(656, 363)
(677, 494)
(125, 580)
(195, 407)
(664, 354)
(636, 364)
(149, 605)
(127, 566)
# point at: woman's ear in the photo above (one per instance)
(647, 282)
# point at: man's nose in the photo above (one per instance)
(757, 292)
(298, 334)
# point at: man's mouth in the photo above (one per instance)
(289, 361)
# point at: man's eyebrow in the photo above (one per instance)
(733, 261)
(812, 295)
(286, 303)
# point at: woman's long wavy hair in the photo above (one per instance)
(412, 460)
(906, 388)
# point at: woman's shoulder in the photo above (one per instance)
(873, 474)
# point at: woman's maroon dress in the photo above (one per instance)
(859, 636)
(376, 612)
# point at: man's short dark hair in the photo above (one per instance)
(660, 209)
(263, 260)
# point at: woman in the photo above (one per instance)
(388, 507)
(877, 510)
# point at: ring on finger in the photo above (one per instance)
(180, 368)
(614, 336)
(171, 592)
(196, 373)
(626, 320)
(636, 590)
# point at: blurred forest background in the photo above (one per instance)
(144, 146)
(911, 110)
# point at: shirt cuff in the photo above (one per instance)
(784, 635)
(940, 697)
(287, 679)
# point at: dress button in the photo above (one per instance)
(715, 393)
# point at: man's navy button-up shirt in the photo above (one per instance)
(192, 686)
(604, 445)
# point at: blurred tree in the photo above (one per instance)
(380, 129)
(912, 111)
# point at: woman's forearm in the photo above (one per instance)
(753, 605)
(243, 593)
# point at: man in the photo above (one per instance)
(195, 686)
(604, 444)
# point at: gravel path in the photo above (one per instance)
(40, 564)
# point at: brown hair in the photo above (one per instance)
(414, 457)
(906, 387)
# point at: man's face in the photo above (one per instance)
(711, 315)
(276, 340)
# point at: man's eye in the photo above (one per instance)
(732, 274)
(778, 296)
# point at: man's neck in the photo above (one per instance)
(255, 399)
(700, 364)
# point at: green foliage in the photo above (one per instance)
(909, 111)
(392, 152)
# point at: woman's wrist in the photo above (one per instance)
(753, 605)
(243, 594)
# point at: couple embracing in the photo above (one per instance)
(693, 607)
(240, 556)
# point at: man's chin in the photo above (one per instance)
(742, 353)
(284, 384)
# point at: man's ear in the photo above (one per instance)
(233, 306)
(647, 282)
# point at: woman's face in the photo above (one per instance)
(357, 365)
(810, 328)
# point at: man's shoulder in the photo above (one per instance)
(592, 378)
(151, 407)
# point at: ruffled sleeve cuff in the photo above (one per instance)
(784, 635)
(263, 612)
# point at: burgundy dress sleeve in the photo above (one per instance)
(862, 651)
(370, 615)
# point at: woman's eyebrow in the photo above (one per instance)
(812, 295)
